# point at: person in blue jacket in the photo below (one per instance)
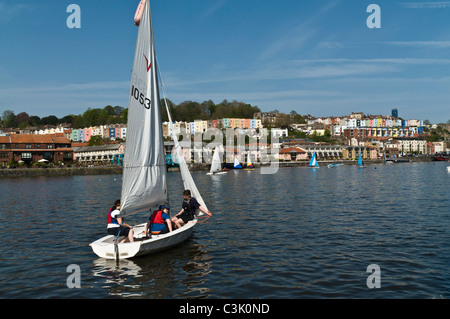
(159, 222)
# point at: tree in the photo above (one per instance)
(109, 109)
(96, 140)
(49, 120)
(78, 122)
(299, 119)
(118, 110)
(34, 120)
(9, 119)
(67, 119)
(23, 119)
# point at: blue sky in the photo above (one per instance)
(314, 57)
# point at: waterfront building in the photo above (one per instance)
(30, 148)
(68, 134)
(50, 129)
(352, 152)
(437, 147)
(112, 133)
(75, 135)
(225, 123)
(325, 151)
(412, 146)
(97, 154)
(213, 123)
(87, 134)
(279, 132)
(200, 126)
(81, 136)
(292, 154)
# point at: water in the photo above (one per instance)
(300, 233)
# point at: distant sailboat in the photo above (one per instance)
(237, 165)
(360, 163)
(313, 163)
(216, 165)
(249, 166)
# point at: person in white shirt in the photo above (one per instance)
(117, 226)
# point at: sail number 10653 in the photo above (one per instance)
(140, 97)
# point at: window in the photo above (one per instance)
(26, 155)
(28, 146)
(49, 145)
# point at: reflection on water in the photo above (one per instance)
(182, 269)
(300, 233)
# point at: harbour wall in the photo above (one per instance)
(67, 171)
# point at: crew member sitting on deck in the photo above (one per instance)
(159, 222)
(116, 224)
(187, 212)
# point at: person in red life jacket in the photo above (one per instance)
(187, 212)
(116, 225)
(159, 222)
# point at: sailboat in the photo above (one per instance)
(216, 165)
(144, 181)
(249, 166)
(313, 163)
(360, 163)
(236, 165)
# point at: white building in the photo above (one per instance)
(412, 145)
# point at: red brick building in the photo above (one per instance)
(31, 148)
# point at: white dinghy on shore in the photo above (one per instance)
(144, 182)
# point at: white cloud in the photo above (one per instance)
(427, 5)
(298, 37)
(213, 8)
(437, 44)
(339, 45)
(9, 12)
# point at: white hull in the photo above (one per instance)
(105, 248)
(217, 173)
(334, 165)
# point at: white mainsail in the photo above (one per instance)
(144, 176)
(216, 165)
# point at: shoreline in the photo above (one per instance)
(105, 170)
(57, 171)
